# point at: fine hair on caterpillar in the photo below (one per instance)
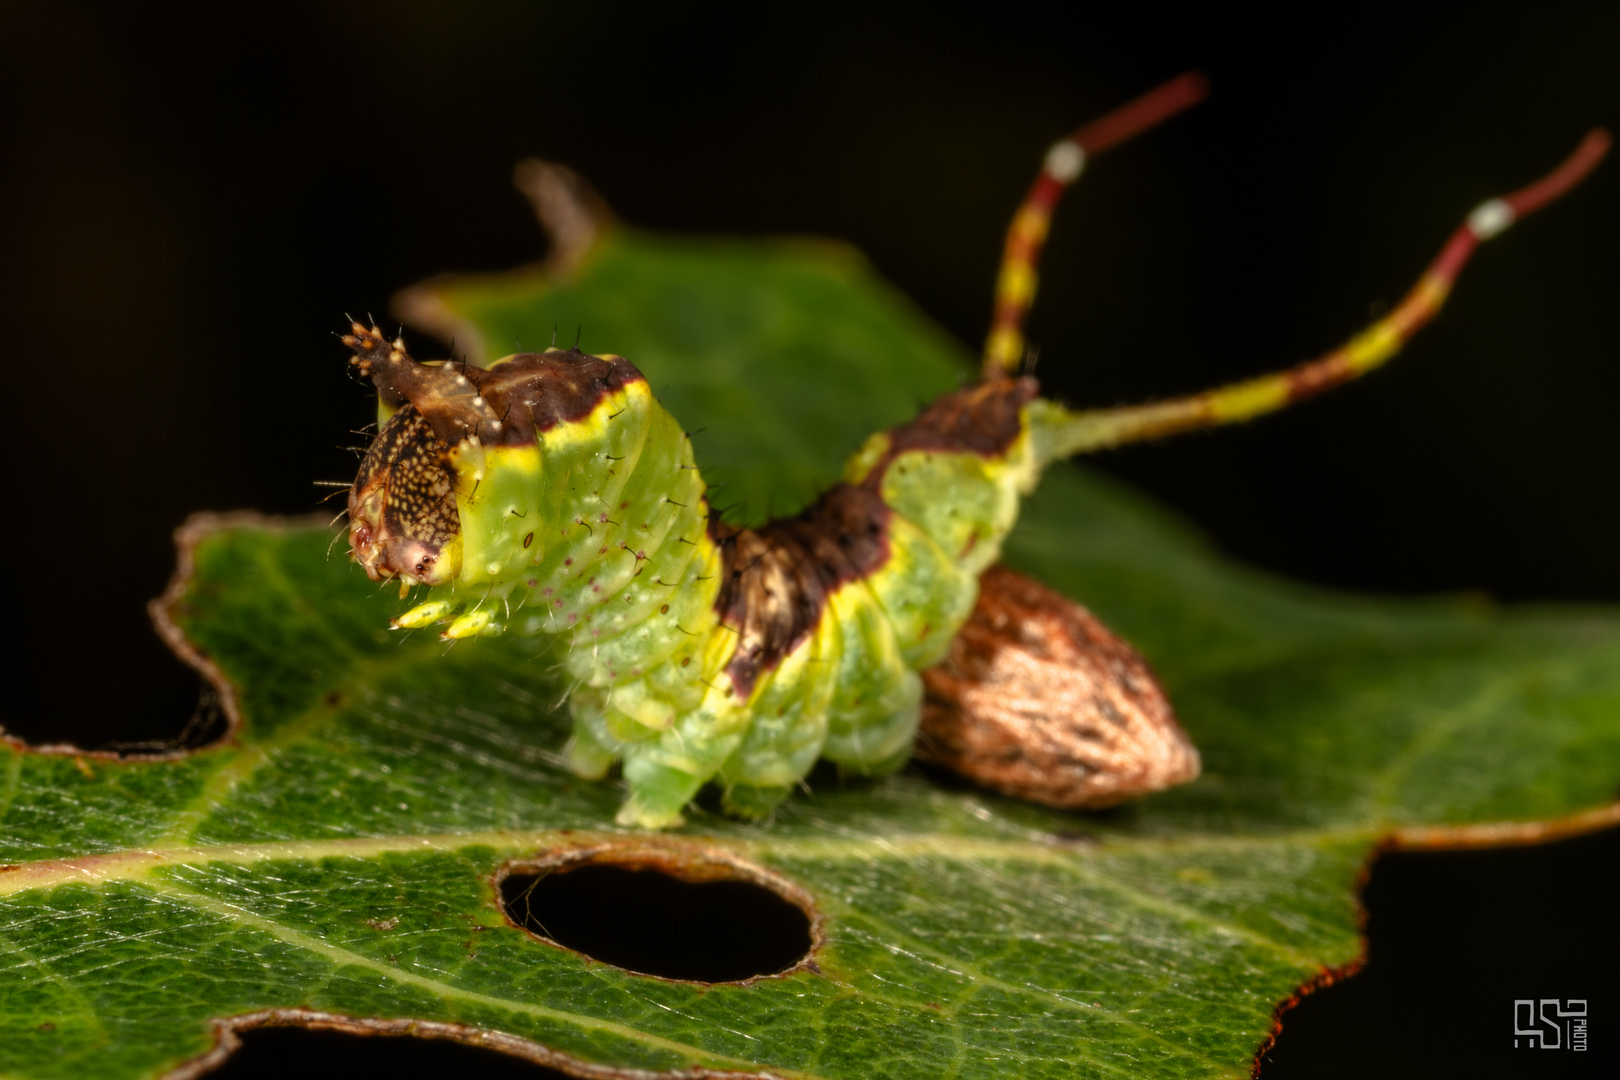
(699, 651)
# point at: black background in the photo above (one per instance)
(191, 196)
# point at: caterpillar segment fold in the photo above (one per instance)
(553, 488)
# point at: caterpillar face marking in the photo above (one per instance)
(703, 652)
(402, 507)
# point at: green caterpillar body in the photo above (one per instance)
(555, 486)
(706, 652)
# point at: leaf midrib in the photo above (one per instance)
(133, 863)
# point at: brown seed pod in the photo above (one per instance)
(1039, 700)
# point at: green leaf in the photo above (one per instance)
(336, 855)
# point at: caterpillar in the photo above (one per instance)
(707, 652)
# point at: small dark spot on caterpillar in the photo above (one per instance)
(685, 660)
(527, 540)
(568, 561)
(334, 698)
(623, 505)
(664, 610)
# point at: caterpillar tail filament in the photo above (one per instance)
(1060, 432)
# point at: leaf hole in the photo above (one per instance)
(272, 1053)
(665, 910)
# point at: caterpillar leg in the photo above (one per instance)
(665, 773)
(788, 729)
(1059, 432)
(781, 746)
(754, 801)
(1015, 285)
(876, 738)
(876, 699)
(586, 754)
(659, 791)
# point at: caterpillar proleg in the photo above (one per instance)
(703, 652)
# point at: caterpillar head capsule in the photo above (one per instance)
(403, 520)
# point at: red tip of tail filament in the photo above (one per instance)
(1534, 196)
(1153, 107)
